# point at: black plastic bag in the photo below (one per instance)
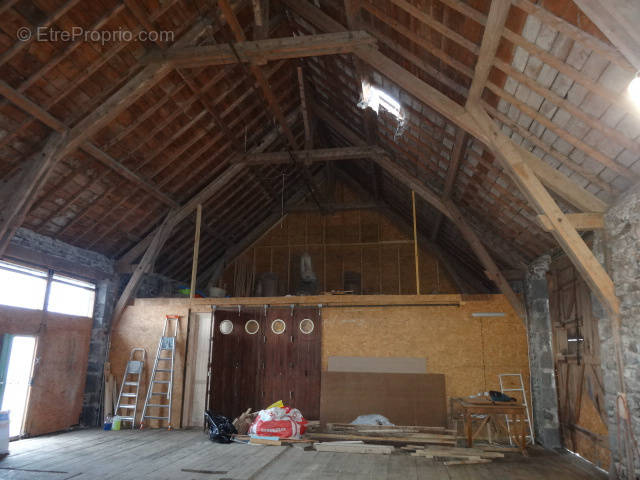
(220, 427)
(500, 397)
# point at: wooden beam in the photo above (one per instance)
(148, 259)
(446, 207)
(49, 120)
(308, 138)
(203, 195)
(58, 146)
(580, 221)
(490, 40)
(552, 178)
(18, 194)
(457, 154)
(196, 249)
(256, 234)
(618, 20)
(272, 101)
(316, 155)
(452, 265)
(262, 51)
(581, 256)
(261, 19)
(455, 215)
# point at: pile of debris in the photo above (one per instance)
(382, 438)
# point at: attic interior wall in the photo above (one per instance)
(362, 241)
(470, 351)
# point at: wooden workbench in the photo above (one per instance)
(515, 410)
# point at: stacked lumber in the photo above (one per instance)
(353, 446)
(454, 455)
(379, 434)
(390, 429)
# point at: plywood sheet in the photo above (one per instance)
(469, 351)
(405, 399)
(377, 364)
(55, 401)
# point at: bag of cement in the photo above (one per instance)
(372, 419)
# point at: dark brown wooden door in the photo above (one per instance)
(254, 371)
(576, 344)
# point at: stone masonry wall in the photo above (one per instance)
(618, 248)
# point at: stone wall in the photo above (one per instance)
(618, 248)
(543, 381)
(57, 252)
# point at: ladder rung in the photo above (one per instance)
(161, 381)
(512, 390)
(126, 419)
(163, 369)
(156, 418)
(159, 393)
(131, 383)
(126, 405)
(157, 405)
(130, 395)
(165, 358)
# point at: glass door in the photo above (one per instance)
(17, 379)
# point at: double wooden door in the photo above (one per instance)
(262, 355)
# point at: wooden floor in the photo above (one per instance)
(158, 454)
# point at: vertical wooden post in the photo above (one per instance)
(196, 248)
(415, 242)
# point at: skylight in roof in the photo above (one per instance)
(375, 98)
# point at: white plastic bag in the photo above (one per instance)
(372, 419)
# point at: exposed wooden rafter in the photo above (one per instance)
(446, 207)
(457, 154)
(553, 179)
(148, 259)
(262, 51)
(272, 101)
(514, 158)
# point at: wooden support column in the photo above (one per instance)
(148, 259)
(415, 242)
(196, 249)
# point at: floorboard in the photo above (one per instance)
(189, 455)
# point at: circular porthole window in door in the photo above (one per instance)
(252, 327)
(306, 326)
(226, 327)
(278, 326)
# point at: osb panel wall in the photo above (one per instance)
(470, 351)
(58, 383)
(362, 241)
(141, 326)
